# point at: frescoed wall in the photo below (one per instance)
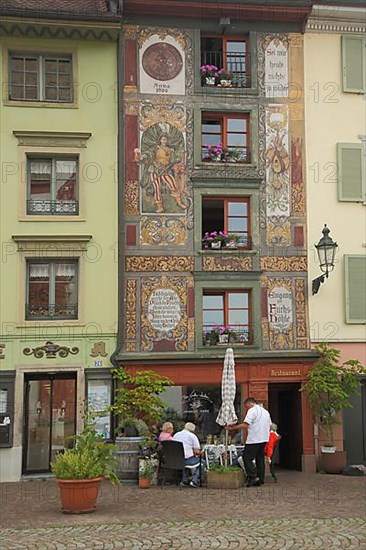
(163, 126)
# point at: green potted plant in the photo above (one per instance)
(80, 470)
(329, 387)
(225, 477)
(138, 406)
(147, 469)
(225, 78)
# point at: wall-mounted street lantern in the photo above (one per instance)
(326, 249)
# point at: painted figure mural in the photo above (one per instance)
(162, 169)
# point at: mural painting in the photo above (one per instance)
(277, 176)
(280, 313)
(164, 313)
(162, 169)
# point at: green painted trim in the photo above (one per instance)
(247, 355)
(342, 175)
(347, 268)
(358, 64)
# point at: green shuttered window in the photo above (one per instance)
(351, 172)
(355, 279)
(354, 64)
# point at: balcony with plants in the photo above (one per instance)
(225, 137)
(219, 240)
(223, 335)
(225, 62)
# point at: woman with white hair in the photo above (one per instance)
(192, 453)
(166, 433)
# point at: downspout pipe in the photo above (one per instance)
(121, 203)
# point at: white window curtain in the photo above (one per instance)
(40, 167)
(39, 271)
(65, 270)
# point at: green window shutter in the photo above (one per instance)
(355, 279)
(354, 64)
(351, 172)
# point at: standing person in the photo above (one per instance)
(166, 433)
(255, 426)
(192, 452)
(270, 447)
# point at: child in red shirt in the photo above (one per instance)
(270, 447)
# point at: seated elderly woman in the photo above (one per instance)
(166, 433)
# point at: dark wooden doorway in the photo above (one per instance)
(284, 402)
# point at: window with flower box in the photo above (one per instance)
(225, 137)
(226, 317)
(52, 289)
(52, 186)
(34, 77)
(226, 220)
(229, 56)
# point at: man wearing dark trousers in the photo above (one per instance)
(255, 426)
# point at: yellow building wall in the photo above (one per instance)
(96, 113)
(331, 116)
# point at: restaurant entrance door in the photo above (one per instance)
(285, 407)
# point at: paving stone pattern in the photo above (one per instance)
(301, 512)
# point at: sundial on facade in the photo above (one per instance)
(162, 61)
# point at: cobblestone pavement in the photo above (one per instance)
(302, 511)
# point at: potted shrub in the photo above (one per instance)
(147, 470)
(80, 470)
(225, 477)
(329, 387)
(138, 406)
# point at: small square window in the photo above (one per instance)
(226, 220)
(225, 138)
(40, 78)
(226, 317)
(230, 58)
(52, 186)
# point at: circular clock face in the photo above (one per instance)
(162, 61)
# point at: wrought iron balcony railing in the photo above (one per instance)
(232, 242)
(237, 63)
(48, 207)
(215, 335)
(52, 311)
(236, 155)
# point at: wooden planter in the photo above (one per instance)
(333, 463)
(79, 496)
(225, 480)
(127, 456)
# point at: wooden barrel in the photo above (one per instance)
(128, 458)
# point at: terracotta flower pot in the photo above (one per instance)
(79, 496)
(144, 483)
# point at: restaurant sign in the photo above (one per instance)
(285, 372)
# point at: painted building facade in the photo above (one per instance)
(335, 80)
(213, 112)
(58, 117)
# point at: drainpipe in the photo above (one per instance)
(120, 206)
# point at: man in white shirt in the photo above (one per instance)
(256, 427)
(192, 452)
